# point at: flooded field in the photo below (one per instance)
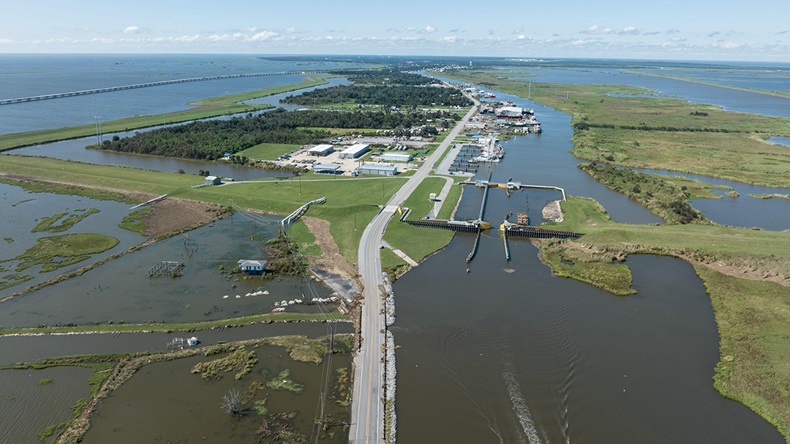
(23, 210)
(122, 291)
(165, 402)
(33, 400)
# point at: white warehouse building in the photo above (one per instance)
(397, 157)
(377, 169)
(355, 151)
(321, 150)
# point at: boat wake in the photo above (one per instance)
(520, 404)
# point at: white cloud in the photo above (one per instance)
(448, 39)
(429, 30)
(187, 38)
(290, 30)
(521, 37)
(263, 35)
(628, 30)
(595, 29)
(6, 41)
(225, 37)
(131, 30)
(677, 39)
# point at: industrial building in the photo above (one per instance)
(321, 150)
(377, 169)
(397, 157)
(355, 151)
(326, 168)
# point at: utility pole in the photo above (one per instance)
(98, 130)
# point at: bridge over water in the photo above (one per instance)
(146, 85)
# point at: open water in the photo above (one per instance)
(504, 353)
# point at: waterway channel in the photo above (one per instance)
(75, 149)
(506, 352)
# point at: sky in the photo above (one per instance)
(725, 30)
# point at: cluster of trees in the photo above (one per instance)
(664, 198)
(388, 96)
(211, 139)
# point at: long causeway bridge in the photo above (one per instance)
(146, 85)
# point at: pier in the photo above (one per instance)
(145, 85)
(516, 230)
(512, 186)
(507, 247)
(474, 247)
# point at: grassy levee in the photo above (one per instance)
(175, 326)
(660, 132)
(211, 107)
(113, 177)
(752, 313)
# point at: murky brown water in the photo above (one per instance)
(27, 407)
(121, 290)
(509, 353)
(164, 402)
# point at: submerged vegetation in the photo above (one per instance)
(240, 360)
(110, 372)
(598, 268)
(63, 221)
(135, 221)
(54, 252)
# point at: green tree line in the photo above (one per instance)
(211, 139)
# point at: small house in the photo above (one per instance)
(212, 180)
(252, 267)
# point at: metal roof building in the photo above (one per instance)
(397, 157)
(378, 169)
(354, 151)
(321, 150)
(326, 168)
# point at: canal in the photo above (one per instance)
(506, 352)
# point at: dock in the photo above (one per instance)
(512, 186)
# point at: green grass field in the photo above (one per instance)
(267, 151)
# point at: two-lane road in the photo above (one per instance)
(367, 405)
